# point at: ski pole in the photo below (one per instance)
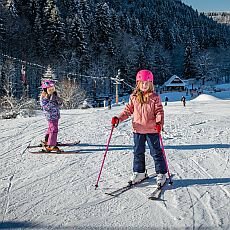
(166, 162)
(103, 161)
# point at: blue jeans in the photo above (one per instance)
(155, 151)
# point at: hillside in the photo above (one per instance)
(220, 17)
(57, 191)
(87, 40)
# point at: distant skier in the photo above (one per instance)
(109, 103)
(50, 103)
(148, 119)
(166, 100)
(104, 103)
(183, 99)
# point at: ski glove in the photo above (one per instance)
(115, 121)
(158, 127)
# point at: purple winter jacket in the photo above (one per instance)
(50, 106)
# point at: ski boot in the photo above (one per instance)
(137, 177)
(44, 143)
(52, 149)
(161, 179)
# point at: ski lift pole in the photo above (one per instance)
(165, 158)
(117, 81)
(103, 161)
(117, 100)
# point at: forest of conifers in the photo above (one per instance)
(90, 40)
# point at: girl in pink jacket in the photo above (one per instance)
(147, 113)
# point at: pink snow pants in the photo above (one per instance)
(52, 132)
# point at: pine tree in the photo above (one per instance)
(136, 27)
(49, 74)
(2, 34)
(38, 35)
(161, 65)
(189, 64)
(102, 24)
(84, 7)
(77, 35)
(54, 35)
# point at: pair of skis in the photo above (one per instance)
(59, 144)
(154, 195)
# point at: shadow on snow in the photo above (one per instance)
(179, 183)
(202, 146)
(100, 147)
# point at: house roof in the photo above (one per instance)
(174, 81)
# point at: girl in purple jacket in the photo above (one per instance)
(50, 103)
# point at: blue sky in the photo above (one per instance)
(209, 5)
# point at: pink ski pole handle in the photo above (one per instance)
(103, 161)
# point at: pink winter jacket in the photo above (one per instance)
(145, 116)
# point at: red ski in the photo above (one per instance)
(55, 152)
(58, 144)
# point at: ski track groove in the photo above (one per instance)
(191, 201)
(211, 177)
(174, 124)
(7, 199)
(17, 163)
(214, 218)
(161, 203)
(209, 210)
(110, 215)
(207, 207)
(199, 200)
(43, 199)
(20, 130)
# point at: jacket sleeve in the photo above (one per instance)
(45, 103)
(159, 111)
(128, 111)
(56, 100)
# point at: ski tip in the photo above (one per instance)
(153, 198)
(130, 183)
(110, 194)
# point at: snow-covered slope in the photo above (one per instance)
(57, 191)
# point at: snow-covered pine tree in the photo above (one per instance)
(189, 64)
(102, 25)
(77, 35)
(54, 33)
(49, 74)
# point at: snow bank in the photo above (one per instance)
(205, 97)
